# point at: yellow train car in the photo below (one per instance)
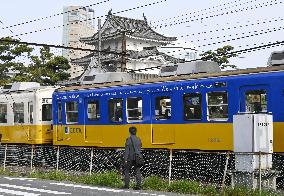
(26, 114)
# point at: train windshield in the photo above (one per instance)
(18, 109)
(72, 112)
(192, 106)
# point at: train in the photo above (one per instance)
(26, 113)
(187, 112)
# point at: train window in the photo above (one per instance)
(93, 110)
(59, 112)
(134, 109)
(217, 105)
(3, 113)
(31, 112)
(163, 108)
(192, 106)
(46, 112)
(18, 109)
(115, 110)
(72, 112)
(256, 101)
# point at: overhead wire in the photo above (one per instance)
(260, 5)
(53, 15)
(259, 47)
(59, 26)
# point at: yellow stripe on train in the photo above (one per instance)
(26, 134)
(205, 136)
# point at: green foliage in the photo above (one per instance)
(155, 183)
(10, 53)
(46, 68)
(52, 175)
(220, 56)
(185, 187)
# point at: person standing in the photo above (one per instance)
(132, 148)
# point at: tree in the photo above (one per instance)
(10, 54)
(45, 69)
(220, 56)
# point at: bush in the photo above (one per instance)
(155, 183)
(185, 187)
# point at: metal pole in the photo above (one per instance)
(91, 164)
(99, 44)
(259, 165)
(57, 159)
(5, 156)
(170, 167)
(32, 156)
(225, 170)
(123, 52)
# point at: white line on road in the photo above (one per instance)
(17, 192)
(103, 189)
(9, 178)
(34, 189)
(88, 187)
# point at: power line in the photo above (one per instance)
(259, 47)
(47, 17)
(195, 12)
(59, 46)
(235, 27)
(245, 36)
(260, 5)
(203, 10)
(59, 26)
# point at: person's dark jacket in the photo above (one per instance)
(129, 153)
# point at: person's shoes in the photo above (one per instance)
(125, 187)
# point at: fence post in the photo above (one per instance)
(170, 167)
(32, 156)
(259, 165)
(57, 159)
(225, 170)
(5, 157)
(91, 161)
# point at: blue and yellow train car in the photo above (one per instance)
(187, 112)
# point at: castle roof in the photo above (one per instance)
(115, 26)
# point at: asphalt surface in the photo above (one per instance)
(38, 187)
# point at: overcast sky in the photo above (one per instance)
(227, 20)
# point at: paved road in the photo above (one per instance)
(36, 187)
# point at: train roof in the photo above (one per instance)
(178, 78)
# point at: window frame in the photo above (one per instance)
(217, 105)
(99, 113)
(23, 112)
(5, 114)
(71, 111)
(140, 109)
(155, 116)
(200, 105)
(122, 110)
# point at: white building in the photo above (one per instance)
(77, 23)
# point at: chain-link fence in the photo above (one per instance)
(218, 168)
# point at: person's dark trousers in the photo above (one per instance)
(127, 168)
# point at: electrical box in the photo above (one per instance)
(253, 133)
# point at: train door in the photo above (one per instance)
(253, 99)
(59, 126)
(93, 133)
(162, 127)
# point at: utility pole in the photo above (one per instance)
(99, 44)
(123, 52)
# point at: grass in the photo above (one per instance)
(114, 179)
